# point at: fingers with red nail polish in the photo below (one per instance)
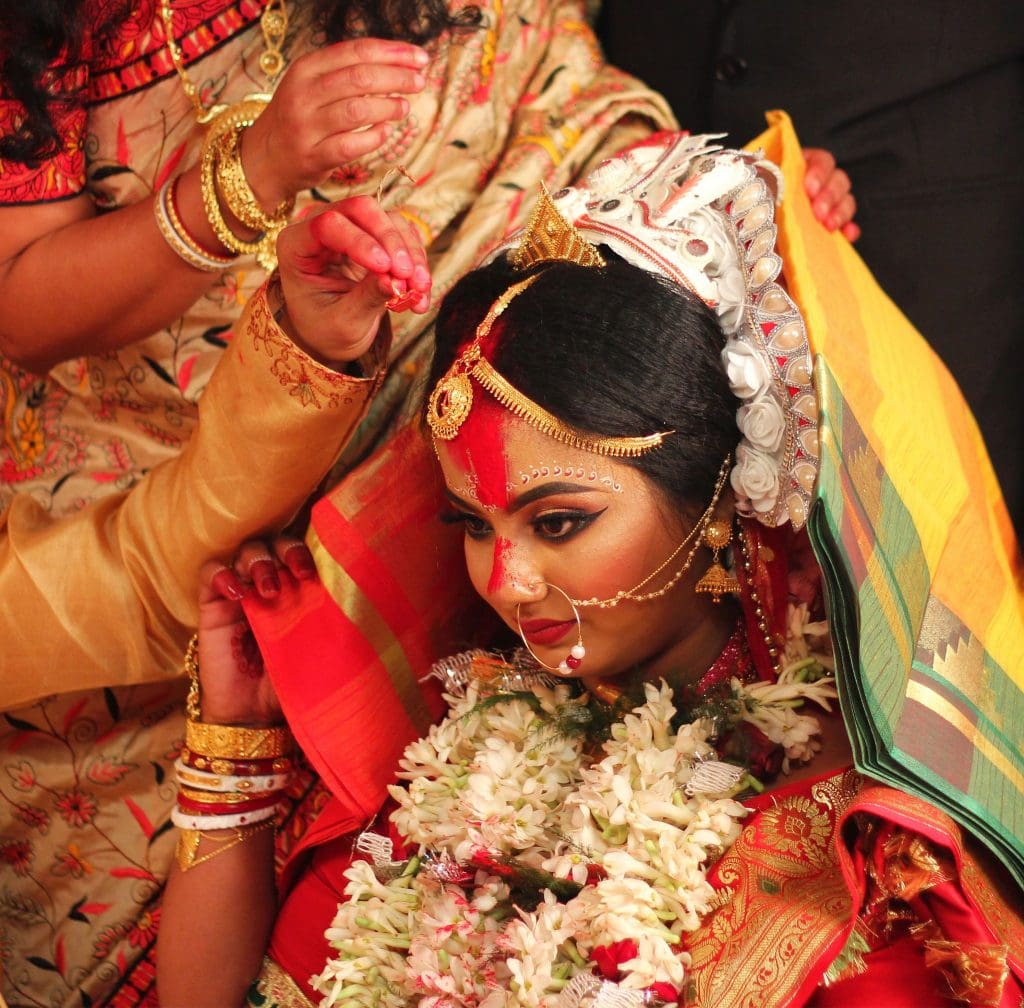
(297, 558)
(828, 188)
(227, 583)
(256, 565)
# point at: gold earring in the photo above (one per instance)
(716, 580)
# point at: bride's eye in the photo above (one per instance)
(562, 525)
(475, 527)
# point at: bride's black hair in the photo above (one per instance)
(41, 43)
(614, 351)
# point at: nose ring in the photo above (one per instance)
(577, 652)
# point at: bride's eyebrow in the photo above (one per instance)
(454, 498)
(548, 490)
(537, 493)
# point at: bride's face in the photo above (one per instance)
(537, 513)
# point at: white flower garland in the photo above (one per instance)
(619, 822)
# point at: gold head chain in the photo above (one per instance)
(548, 237)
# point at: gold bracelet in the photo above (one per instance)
(191, 669)
(239, 198)
(243, 114)
(222, 176)
(188, 843)
(231, 742)
(238, 195)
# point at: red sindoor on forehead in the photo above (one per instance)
(479, 448)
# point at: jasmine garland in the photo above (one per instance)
(540, 853)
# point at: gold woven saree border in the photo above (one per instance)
(276, 989)
(787, 909)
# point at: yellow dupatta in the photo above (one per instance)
(923, 573)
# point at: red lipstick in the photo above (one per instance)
(546, 632)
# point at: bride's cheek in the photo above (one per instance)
(478, 555)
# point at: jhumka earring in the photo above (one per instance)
(716, 580)
(577, 652)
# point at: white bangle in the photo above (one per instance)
(224, 784)
(179, 240)
(184, 820)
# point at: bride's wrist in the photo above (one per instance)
(233, 717)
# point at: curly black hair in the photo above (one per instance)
(41, 45)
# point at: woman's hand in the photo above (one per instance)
(332, 106)
(829, 190)
(341, 269)
(234, 686)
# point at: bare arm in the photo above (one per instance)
(116, 270)
(216, 923)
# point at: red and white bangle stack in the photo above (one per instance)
(228, 778)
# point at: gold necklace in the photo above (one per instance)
(274, 26)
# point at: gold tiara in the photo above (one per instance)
(549, 237)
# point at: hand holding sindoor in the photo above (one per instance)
(341, 269)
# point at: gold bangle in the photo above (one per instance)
(231, 742)
(281, 764)
(238, 195)
(223, 797)
(245, 113)
(188, 843)
(191, 669)
(232, 121)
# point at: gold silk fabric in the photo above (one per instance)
(107, 595)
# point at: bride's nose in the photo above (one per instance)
(514, 580)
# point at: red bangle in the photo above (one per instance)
(227, 808)
(189, 238)
(237, 768)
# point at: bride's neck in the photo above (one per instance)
(692, 652)
(685, 661)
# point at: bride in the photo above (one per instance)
(641, 791)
